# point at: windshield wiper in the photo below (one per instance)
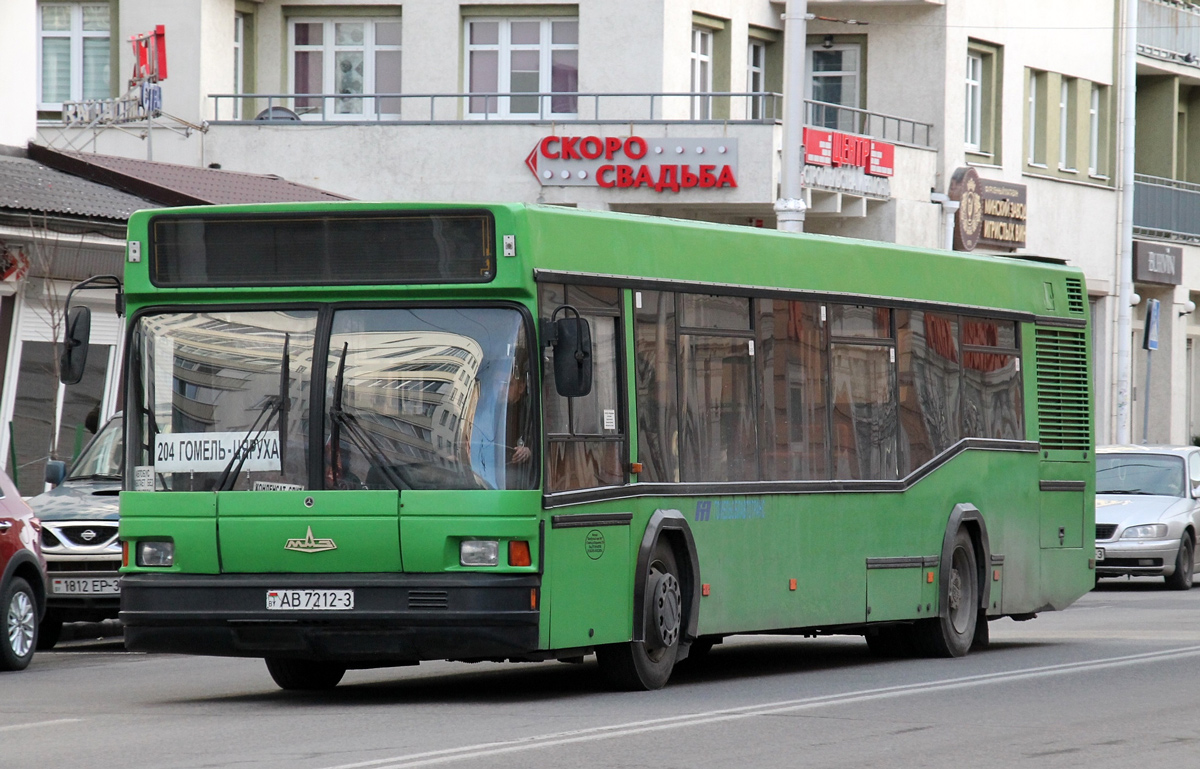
(362, 440)
(274, 404)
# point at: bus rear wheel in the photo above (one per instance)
(646, 665)
(304, 675)
(952, 633)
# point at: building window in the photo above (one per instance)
(756, 76)
(1094, 132)
(974, 101)
(1066, 125)
(1036, 119)
(702, 73)
(74, 52)
(834, 83)
(538, 57)
(354, 58)
(981, 134)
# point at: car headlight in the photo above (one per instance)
(479, 552)
(155, 553)
(1146, 531)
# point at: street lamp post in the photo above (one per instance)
(790, 207)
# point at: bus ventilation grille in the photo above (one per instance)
(1063, 409)
(1075, 303)
(428, 599)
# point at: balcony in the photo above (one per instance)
(703, 107)
(1169, 30)
(1166, 208)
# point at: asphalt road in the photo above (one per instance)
(1107, 683)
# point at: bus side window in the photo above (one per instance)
(585, 437)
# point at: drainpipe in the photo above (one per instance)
(790, 207)
(949, 209)
(1125, 264)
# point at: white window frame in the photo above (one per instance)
(846, 121)
(973, 127)
(1064, 125)
(756, 76)
(500, 108)
(1094, 132)
(239, 61)
(329, 49)
(701, 65)
(76, 34)
(1034, 119)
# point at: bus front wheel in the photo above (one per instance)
(646, 665)
(304, 675)
(952, 632)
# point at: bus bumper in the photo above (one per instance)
(396, 619)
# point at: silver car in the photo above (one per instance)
(1147, 512)
(79, 534)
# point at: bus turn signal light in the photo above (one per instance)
(518, 553)
(125, 552)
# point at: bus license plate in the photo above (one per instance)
(85, 586)
(310, 600)
(1099, 554)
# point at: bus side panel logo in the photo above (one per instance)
(309, 544)
(593, 544)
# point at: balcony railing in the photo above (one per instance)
(426, 108)
(615, 108)
(1166, 208)
(1169, 30)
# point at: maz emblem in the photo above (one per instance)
(310, 545)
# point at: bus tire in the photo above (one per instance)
(1181, 579)
(952, 632)
(304, 675)
(647, 664)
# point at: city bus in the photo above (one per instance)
(369, 434)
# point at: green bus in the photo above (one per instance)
(366, 434)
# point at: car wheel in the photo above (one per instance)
(304, 675)
(20, 625)
(1184, 564)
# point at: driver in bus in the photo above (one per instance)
(518, 423)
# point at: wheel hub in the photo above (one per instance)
(20, 624)
(665, 610)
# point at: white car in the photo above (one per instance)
(1147, 512)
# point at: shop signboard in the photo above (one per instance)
(840, 162)
(991, 214)
(659, 164)
(1157, 263)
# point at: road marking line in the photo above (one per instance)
(535, 742)
(14, 727)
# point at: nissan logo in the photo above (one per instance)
(88, 535)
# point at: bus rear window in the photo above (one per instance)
(304, 250)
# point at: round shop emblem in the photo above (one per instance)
(964, 187)
(593, 544)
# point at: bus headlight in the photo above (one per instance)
(1146, 531)
(479, 552)
(155, 553)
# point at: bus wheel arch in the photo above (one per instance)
(667, 568)
(965, 547)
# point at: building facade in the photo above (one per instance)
(932, 123)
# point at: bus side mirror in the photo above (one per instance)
(75, 347)
(571, 339)
(56, 471)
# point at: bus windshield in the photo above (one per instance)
(434, 398)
